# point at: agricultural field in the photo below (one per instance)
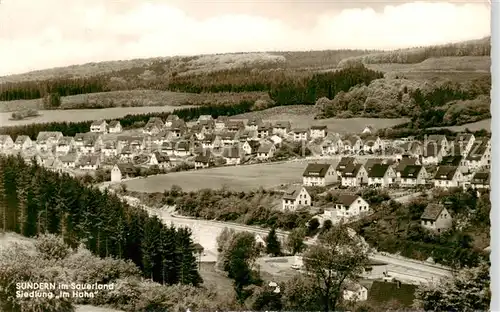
(302, 116)
(475, 126)
(77, 115)
(136, 98)
(239, 178)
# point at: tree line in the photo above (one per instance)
(36, 201)
(128, 121)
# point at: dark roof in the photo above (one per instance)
(372, 161)
(352, 139)
(382, 292)
(406, 161)
(293, 192)
(344, 161)
(318, 127)
(436, 138)
(411, 171)
(126, 168)
(477, 151)
(432, 212)
(161, 158)
(113, 123)
(345, 199)
(351, 170)
(481, 178)
(451, 160)
(282, 124)
(254, 121)
(265, 148)
(378, 171)
(254, 144)
(264, 127)
(299, 130)
(445, 172)
(172, 117)
(316, 170)
(98, 122)
(457, 149)
(432, 149)
(232, 152)
(202, 158)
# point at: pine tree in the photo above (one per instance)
(273, 245)
(188, 266)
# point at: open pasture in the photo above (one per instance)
(238, 178)
(475, 126)
(302, 116)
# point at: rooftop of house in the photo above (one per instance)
(98, 123)
(378, 171)
(113, 123)
(351, 170)
(344, 161)
(445, 172)
(451, 160)
(319, 127)
(232, 152)
(316, 170)
(482, 177)
(432, 212)
(282, 124)
(292, 192)
(345, 199)
(411, 171)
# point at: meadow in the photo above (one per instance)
(76, 115)
(239, 178)
(475, 126)
(302, 116)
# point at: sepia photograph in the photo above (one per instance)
(188, 156)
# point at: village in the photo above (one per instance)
(364, 159)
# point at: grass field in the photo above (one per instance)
(436, 64)
(137, 98)
(302, 116)
(475, 126)
(76, 115)
(239, 178)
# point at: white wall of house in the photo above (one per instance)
(302, 136)
(116, 174)
(116, 129)
(355, 209)
(443, 222)
(361, 294)
(318, 133)
(454, 182)
(303, 199)
(233, 161)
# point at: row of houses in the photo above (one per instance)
(408, 172)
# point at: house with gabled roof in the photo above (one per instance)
(182, 149)
(159, 159)
(109, 148)
(295, 197)
(177, 128)
(47, 139)
(299, 134)
(99, 126)
(480, 180)
(6, 142)
(370, 162)
(211, 141)
(126, 154)
(170, 118)
(203, 160)
(91, 144)
(135, 143)
(154, 126)
(168, 148)
(479, 157)
(263, 130)
(23, 142)
(373, 144)
(413, 175)
(246, 147)
(355, 292)
(406, 161)
(350, 205)
(253, 124)
(205, 118)
(69, 160)
(115, 126)
(266, 151)
(343, 163)
(381, 175)
(354, 175)
(232, 155)
(433, 154)
(318, 131)
(319, 175)
(220, 123)
(89, 162)
(122, 171)
(207, 125)
(353, 144)
(64, 145)
(439, 139)
(448, 176)
(436, 218)
(465, 142)
(368, 130)
(228, 138)
(235, 125)
(457, 161)
(282, 127)
(254, 145)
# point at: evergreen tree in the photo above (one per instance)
(273, 245)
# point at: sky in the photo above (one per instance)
(38, 34)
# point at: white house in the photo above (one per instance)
(353, 144)
(465, 142)
(381, 175)
(182, 149)
(350, 205)
(295, 197)
(246, 147)
(69, 160)
(126, 154)
(266, 151)
(6, 142)
(109, 149)
(159, 159)
(228, 138)
(413, 175)
(436, 218)
(98, 126)
(232, 155)
(319, 175)
(89, 163)
(373, 144)
(116, 174)
(479, 157)
(317, 131)
(177, 128)
(220, 123)
(264, 130)
(438, 139)
(170, 119)
(154, 126)
(355, 292)
(201, 161)
(354, 175)
(480, 180)
(23, 142)
(433, 154)
(114, 127)
(47, 139)
(299, 135)
(253, 124)
(281, 128)
(368, 130)
(448, 176)
(121, 171)
(343, 163)
(64, 145)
